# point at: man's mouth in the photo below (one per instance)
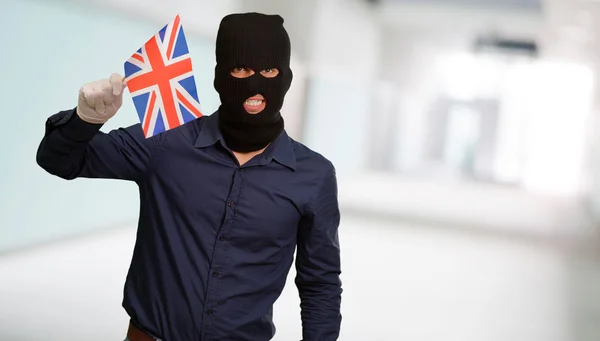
(255, 104)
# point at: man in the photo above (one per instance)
(224, 200)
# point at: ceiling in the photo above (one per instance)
(459, 17)
(564, 29)
(534, 5)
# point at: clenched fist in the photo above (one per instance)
(100, 100)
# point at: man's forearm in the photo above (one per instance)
(62, 147)
(320, 311)
(318, 264)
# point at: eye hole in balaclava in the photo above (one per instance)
(255, 42)
(245, 72)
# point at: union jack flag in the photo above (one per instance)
(160, 79)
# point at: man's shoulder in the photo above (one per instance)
(309, 159)
(317, 171)
(187, 132)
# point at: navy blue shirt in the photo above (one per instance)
(215, 240)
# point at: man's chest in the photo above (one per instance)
(257, 203)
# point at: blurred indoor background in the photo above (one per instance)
(465, 134)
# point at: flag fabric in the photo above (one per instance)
(161, 82)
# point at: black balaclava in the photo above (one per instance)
(256, 41)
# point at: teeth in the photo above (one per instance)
(254, 102)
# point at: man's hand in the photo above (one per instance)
(100, 100)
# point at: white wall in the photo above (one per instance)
(342, 68)
(200, 16)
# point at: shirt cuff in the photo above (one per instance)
(72, 126)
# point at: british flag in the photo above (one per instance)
(160, 79)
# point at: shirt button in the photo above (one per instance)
(230, 204)
(210, 311)
(216, 274)
(222, 238)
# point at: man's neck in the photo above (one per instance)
(243, 158)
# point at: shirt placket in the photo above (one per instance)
(216, 287)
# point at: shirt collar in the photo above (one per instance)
(209, 132)
(280, 150)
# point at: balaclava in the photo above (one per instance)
(256, 41)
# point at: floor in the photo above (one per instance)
(402, 282)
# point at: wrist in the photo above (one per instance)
(89, 119)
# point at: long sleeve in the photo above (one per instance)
(318, 265)
(73, 148)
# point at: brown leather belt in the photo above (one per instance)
(135, 334)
